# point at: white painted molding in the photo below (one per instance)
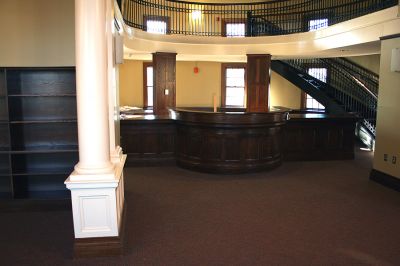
(116, 155)
(97, 204)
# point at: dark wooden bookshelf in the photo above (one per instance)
(38, 131)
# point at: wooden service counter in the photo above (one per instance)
(148, 140)
(319, 136)
(229, 142)
(235, 142)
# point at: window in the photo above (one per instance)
(148, 85)
(316, 24)
(311, 103)
(157, 24)
(233, 85)
(320, 74)
(233, 28)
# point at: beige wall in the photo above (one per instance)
(388, 134)
(37, 33)
(131, 83)
(370, 62)
(283, 93)
(198, 89)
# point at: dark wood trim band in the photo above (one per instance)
(233, 21)
(102, 246)
(388, 37)
(145, 66)
(303, 100)
(165, 19)
(224, 66)
(385, 179)
(33, 205)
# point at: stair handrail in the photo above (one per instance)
(348, 74)
(345, 89)
(366, 77)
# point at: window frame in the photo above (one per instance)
(158, 18)
(303, 98)
(225, 66)
(308, 24)
(303, 103)
(323, 15)
(233, 21)
(145, 102)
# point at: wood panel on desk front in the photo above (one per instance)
(148, 142)
(228, 150)
(229, 142)
(319, 139)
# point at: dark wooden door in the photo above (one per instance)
(164, 65)
(257, 82)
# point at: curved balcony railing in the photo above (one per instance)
(273, 17)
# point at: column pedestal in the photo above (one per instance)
(98, 207)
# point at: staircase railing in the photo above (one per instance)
(273, 17)
(367, 78)
(354, 87)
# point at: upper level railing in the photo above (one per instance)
(273, 17)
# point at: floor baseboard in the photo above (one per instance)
(385, 179)
(102, 246)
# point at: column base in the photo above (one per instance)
(116, 155)
(97, 203)
(102, 246)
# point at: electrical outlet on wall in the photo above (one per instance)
(385, 157)
(394, 159)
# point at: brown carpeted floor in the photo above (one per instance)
(303, 213)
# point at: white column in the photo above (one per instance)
(97, 190)
(115, 149)
(91, 82)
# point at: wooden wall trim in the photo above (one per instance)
(164, 77)
(224, 66)
(303, 100)
(102, 246)
(232, 20)
(165, 19)
(388, 37)
(257, 82)
(145, 66)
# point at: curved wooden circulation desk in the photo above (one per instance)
(235, 142)
(228, 142)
